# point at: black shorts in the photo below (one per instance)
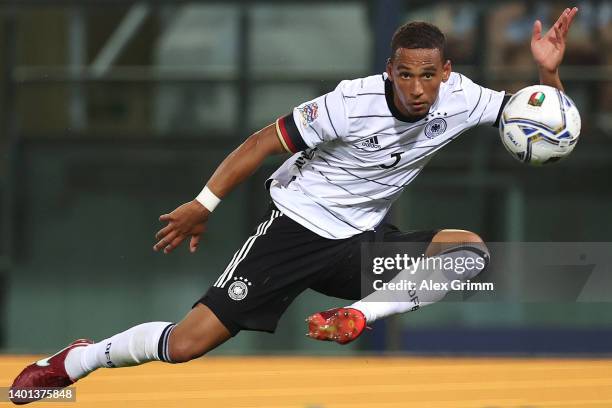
(281, 259)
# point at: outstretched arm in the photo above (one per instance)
(189, 220)
(548, 50)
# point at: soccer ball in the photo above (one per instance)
(539, 125)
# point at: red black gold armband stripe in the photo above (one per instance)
(289, 135)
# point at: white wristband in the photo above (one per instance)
(208, 199)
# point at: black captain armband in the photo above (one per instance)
(289, 135)
(501, 109)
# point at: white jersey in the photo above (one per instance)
(355, 152)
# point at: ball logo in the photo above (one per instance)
(435, 128)
(239, 289)
(536, 99)
(509, 136)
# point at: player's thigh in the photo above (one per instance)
(343, 278)
(420, 238)
(393, 251)
(352, 276)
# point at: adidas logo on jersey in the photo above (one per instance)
(371, 143)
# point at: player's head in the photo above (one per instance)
(417, 66)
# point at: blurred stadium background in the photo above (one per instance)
(113, 112)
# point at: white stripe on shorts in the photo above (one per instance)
(237, 255)
(242, 252)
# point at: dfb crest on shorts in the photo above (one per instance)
(435, 128)
(308, 113)
(239, 288)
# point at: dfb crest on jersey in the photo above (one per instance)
(239, 289)
(435, 128)
(308, 113)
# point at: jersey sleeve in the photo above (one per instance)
(320, 120)
(484, 104)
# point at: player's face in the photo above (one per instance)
(416, 75)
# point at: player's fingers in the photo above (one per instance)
(193, 244)
(537, 31)
(163, 232)
(162, 243)
(561, 20)
(164, 217)
(570, 19)
(564, 21)
(175, 242)
(558, 33)
(559, 23)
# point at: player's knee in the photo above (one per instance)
(450, 236)
(182, 350)
(198, 333)
(466, 247)
(184, 345)
(449, 239)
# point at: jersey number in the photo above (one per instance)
(397, 156)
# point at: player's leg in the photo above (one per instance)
(346, 324)
(199, 332)
(448, 247)
(450, 238)
(279, 261)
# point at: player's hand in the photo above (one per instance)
(187, 221)
(548, 50)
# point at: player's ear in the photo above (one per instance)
(390, 69)
(446, 71)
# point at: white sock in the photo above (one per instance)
(137, 345)
(381, 304)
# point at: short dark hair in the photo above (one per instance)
(418, 34)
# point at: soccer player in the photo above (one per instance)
(353, 152)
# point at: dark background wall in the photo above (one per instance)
(114, 113)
